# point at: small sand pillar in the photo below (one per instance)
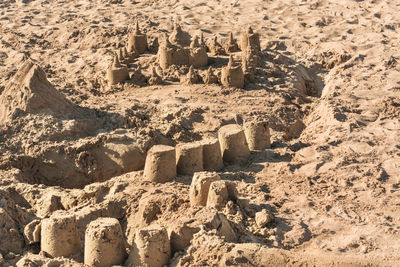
(212, 158)
(252, 39)
(257, 135)
(137, 41)
(117, 73)
(104, 243)
(160, 164)
(200, 186)
(234, 147)
(59, 235)
(232, 75)
(189, 158)
(151, 247)
(218, 194)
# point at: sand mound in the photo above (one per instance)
(30, 92)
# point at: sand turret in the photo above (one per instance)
(155, 79)
(210, 77)
(179, 37)
(257, 135)
(216, 48)
(231, 46)
(232, 75)
(252, 39)
(191, 77)
(233, 142)
(137, 41)
(198, 54)
(117, 73)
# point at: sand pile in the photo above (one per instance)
(30, 92)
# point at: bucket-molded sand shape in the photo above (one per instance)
(160, 164)
(151, 247)
(212, 157)
(104, 243)
(59, 235)
(200, 186)
(233, 142)
(257, 135)
(189, 158)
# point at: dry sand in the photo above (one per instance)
(327, 81)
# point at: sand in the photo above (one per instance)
(326, 80)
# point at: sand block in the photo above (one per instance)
(233, 143)
(218, 195)
(151, 247)
(200, 186)
(137, 41)
(212, 157)
(59, 235)
(104, 243)
(232, 75)
(189, 158)
(251, 39)
(117, 73)
(257, 135)
(160, 164)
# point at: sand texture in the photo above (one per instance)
(88, 88)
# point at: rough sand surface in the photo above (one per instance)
(327, 81)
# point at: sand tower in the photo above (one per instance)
(117, 73)
(151, 247)
(189, 158)
(210, 77)
(160, 164)
(155, 79)
(232, 75)
(200, 186)
(252, 39)
(257, 135)
(137, 41)
(212, 157)
(231, 46)
(198, 54)
(216, 48)
(192, 77)
(179, 37)
(233, 142)
(104, 243)
(59, 235)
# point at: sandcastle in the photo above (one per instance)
(137, 41)
(160, 164)
(104, 243)
(257, 135)
(59, 235)
(231, 46)
(175, 50)
(117, 73)
(251, 39)
(189, 158)
(232, 75)
(200, 186)
(212, 158)
(151, 247)
(210, 77)
(233, 142)
(216, 48)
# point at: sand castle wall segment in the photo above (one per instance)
(257, 135)
(59, 235)
(212, 157)
(151, 247)
(200, 186)
(189, 158)
(160, 164)
(104, 243)
(233, 142)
